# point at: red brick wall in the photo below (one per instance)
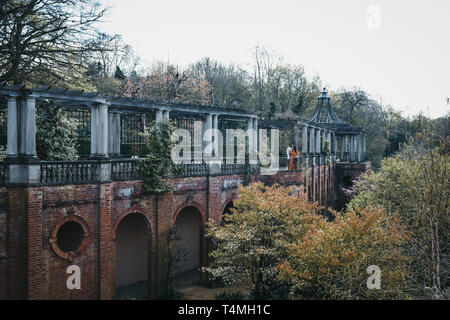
(58, 202)
(33, 270)
(3, 242)
(353, 170)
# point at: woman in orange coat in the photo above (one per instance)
(293, 153)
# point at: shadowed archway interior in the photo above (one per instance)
(188, 226)
(132, 257)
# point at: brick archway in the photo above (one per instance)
(202, 248)
(134, 209)
(187, 204)
(132, 242)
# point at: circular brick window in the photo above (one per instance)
(69, 237)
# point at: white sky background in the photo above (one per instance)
(406, 61)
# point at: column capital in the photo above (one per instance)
(12, 96)
(100, 104)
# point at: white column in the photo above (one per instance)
(343, 142)
(275, 149)
(12, 135)
(207, 137)
(110, 134)
(333, 143)
(165, 115)
(312, 139)
(27, 127)
(116, 143)
(198, 141)
(250, 135)
(318, 141)
(296, 137)
(305, 139)
(31, 126)
(329, 141)
(103, 130)
(350, 148)
(255, 134)
(159, 116)
(359, 148)
(215, 118)
(323, 134)
(94, 130)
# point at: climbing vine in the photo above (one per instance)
(158, 164)
(56, 134)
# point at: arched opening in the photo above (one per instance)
(188, 244)
(132, 255)
(227, 210)
(347, 181)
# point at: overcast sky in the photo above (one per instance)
(403, 57)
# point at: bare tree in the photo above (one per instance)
(47, 41)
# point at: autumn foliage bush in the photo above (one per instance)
(331, 259)
(276, 239)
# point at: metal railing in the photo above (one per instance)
(68, 172)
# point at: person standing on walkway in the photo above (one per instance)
(293, 153)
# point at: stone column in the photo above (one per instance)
(329, 141)
(305, 139)
(99, 130)
(350, 148)
(317, 149)
(255, 134)
(110, 134)
(159, 116)
(343, 147)
(114, 134)
(207, 137)
(333, 143)
(22, 138)
(198, 141)
(312, 143)
(165, 115)
(359, 148)
(364, 147)
(103, 128)
(94, 130)
(323, 135)
(116, 124)
(250, 135)
(296, 137)
(215, 118)
(27, 127)
(12, 138)
(274, 149)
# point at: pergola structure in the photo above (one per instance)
(109, 124)
(351, 140)
(95, 211)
